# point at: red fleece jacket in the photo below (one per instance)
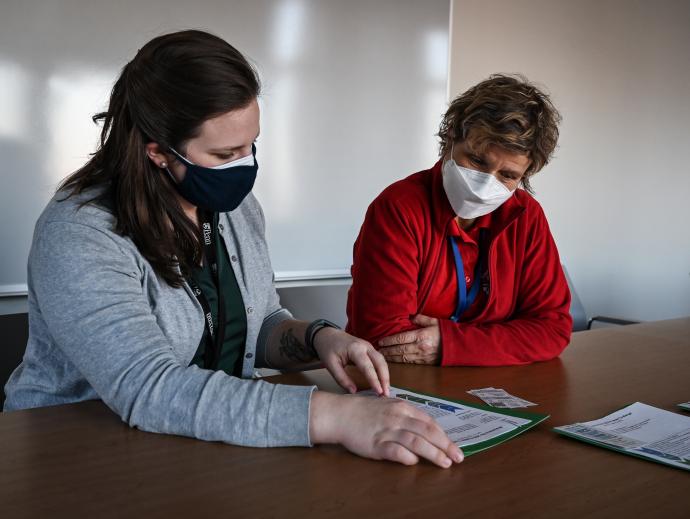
(403, 238)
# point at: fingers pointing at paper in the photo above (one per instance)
(337, 349)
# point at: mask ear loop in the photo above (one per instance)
(452, 146)
(182, 159)
(172, 177)
(164, 167)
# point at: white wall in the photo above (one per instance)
(617, 194)
(352, 91)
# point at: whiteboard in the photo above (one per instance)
(353, 92)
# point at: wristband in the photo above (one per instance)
(314, 328)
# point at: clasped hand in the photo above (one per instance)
(420, 346)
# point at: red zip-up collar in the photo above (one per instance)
(443, 216)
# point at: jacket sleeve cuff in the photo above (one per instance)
(288, 416)
(449, 336)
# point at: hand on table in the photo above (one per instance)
(420, 346)
(380, 428)
(337, 349)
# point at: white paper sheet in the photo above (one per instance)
(643, 430)
(464, 425)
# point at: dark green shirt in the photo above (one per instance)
(235, 318)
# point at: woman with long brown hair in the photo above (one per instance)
(150, 285)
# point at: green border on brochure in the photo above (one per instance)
(534, 418)
(617, 449)
(685, 406)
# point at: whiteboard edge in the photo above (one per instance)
(285, 279)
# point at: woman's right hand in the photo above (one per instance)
(380, 428)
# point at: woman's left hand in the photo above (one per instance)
(421, 346)
(337, 349)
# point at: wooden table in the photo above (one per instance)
(81, 461)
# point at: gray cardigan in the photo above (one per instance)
(103, 325)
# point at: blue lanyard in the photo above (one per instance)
(466, 299)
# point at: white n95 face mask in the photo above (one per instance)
(472, 193)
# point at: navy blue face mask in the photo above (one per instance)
(221, 188)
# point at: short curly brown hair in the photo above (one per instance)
(507, 111)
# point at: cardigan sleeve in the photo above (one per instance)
(91, 299)
(274, 311)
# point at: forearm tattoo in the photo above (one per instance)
(292, 348)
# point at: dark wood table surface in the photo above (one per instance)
(80, 460)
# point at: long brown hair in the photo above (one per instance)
(173, 84)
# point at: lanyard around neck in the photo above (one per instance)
(465, 298)
(213, 348)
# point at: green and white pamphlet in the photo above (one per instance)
(639, 430)
(473, 427)
(685, 405)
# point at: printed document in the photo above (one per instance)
(467, 424)
(640, 430)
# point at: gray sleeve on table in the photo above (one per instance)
(91, 297)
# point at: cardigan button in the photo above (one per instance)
(233, 258)
(250, 309)
(249, 355)
(220, 226)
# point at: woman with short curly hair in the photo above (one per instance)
(456, 265)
